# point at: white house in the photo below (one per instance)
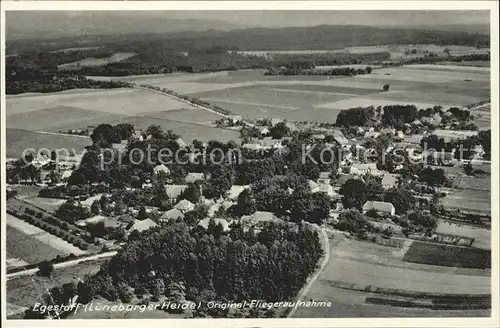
(184, 206)
(161, 168)
(205, 222)
(194, 177)
(389, 181)
(143, 225)
(379, 207)
(362, 169)
(172, 214)
(174, 191)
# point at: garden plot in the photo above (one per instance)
(468, 201)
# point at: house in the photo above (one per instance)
(267, 143)
(318, 136)
(143, 225)
(88, 202)
(328, 190)
(362, 169)
(252, 146)
(379, 207)
(194, 177)
(339, 137)
(40, 160)
(343, 179)
(172, 214)
(371, 135)
(121, 147)
(416, 122)
(161, 168)
(389, 181)
(235, 118)
(291, 127)
(400, 135)
(205, 222)
(313, 186)
(324, 178)
(388, 131)
(275, 121)
(66, 174)
(360, 130)
(259, 216)
(174, 191)
(264, 130)
(181, 143)
(184, 206)
(44, 176)
(138, 135)
(235, 191)
(91, 220)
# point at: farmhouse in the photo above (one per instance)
(205, 223)
(184, 206)
(362, 169)
(172, 214)
(235, 191)
(379, 207)
(194, 177)
(143, 225)
(389, 180)
(161, 168)
(174, 191)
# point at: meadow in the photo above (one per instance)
(475, 201)
(449, 255)
(92, 62)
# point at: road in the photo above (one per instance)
(313, 279)
(64, 264)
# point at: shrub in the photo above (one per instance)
(39, 215)
(386, 87)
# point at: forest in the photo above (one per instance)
(178, 264)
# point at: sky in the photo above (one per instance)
(36, 24)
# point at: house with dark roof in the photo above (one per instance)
(379, 207)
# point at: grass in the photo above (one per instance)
(194, 115)
(21, 291)
(448, 255)
(468, 200)
(93, 62)
(17, 140)
(28, 248)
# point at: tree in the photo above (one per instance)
(386, 87)
(221, 180)
(155, 131)
(142, 214)
(45, 269)
(402, 199)
(191, 193)
(433, 177)
(95, 208)
(368, 70)
(355, 193)
(279, 131)
(246, 203)
(351, 220)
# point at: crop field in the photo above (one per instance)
(482, 237)
(363, 264)
(194, 115)
(27, 248)
(449, 255)
(21, 290)
(187, 131)
(93, 62)
(472, 183)
(35, 234)
(468, 200)
(18, 140)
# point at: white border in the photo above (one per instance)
(277, 5)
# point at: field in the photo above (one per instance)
(92, 62)
(447, 255)
(21, 290)
(18, 140)
(482, 237)
(362, 265)
(33, 236)
(27, 248)
(468, 200)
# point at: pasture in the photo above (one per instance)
(475, 201)
(454, 256)
(28, 248)
(18, 140)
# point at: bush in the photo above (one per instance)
(386, 87)
(39, 215)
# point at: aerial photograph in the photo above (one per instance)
(247, 164)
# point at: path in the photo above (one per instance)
(313, 279)
(64, 264)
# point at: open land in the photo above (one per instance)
(36, 235)
(92, 62)
(468, 201)
(356, 265)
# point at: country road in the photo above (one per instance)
(313, 279)
(64, 264)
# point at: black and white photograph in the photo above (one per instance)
(220, 163)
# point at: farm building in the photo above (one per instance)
(172, 214)
(174, 191)
(143, 225)
(389, 180)
(379, 207)
(461, 234)
(362, 169)
(235, 191)
(194, 177)
(184, 206)
(205, 222)
(161, 168)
